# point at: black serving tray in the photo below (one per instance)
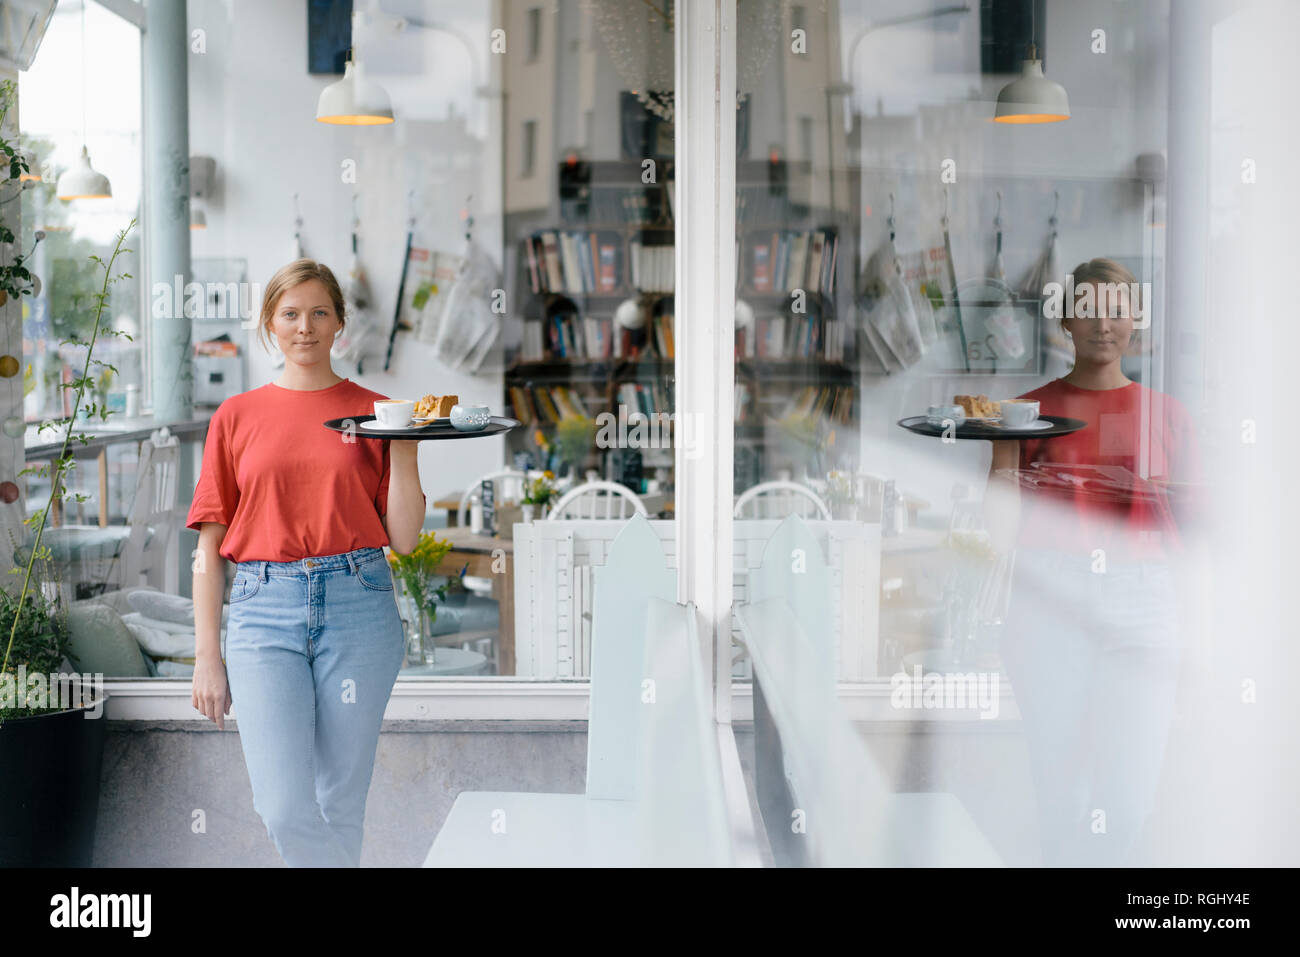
(351, 425)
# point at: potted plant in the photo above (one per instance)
(841, 495)
(50, 755)
(413, 571)
(538, 493)
(573, 438)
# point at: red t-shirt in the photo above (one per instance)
(1084, 491)
(286, 486)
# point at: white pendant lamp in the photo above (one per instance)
(82, 181)
(1032, 98)
(354, 100)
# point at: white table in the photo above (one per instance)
(450, 661)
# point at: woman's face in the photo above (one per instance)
(1102, 335)
(305, 323)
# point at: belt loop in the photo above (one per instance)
(352, 563)
(266, 575)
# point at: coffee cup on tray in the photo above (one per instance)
(1018, 413)
(394, 413)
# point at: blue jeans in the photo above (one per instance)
(312, 650)
(1093, 658)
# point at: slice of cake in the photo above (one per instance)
(442, 408)
(978, 406)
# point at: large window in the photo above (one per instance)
(83, 89)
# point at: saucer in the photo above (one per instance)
(376, 426)
(1031, 427)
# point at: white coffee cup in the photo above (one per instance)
(394, 413)
(1018, 413)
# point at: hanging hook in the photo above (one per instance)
(945, 208)
(890, 221)
(297, 212)
(997, 217)
(1056, 207)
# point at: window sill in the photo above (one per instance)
(435, 699)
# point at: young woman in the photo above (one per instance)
(1092, 643)
(314, 641)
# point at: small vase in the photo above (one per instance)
(528, 510)
(419, 632)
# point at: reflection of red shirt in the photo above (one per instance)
(286, 486)
(1086, 490)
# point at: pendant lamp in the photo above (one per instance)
(1032, 98)
(82, 181)
(354, 100)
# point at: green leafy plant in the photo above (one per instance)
(15, 278)
(38, 639)
(415, 569)
(573, 438)
(540, 490)
(58, 469)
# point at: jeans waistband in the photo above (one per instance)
(343, 561)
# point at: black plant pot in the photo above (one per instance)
(49, 788)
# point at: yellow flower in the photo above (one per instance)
(549, 474)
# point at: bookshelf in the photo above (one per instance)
(611, 247)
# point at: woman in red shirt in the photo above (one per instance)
(314, 641)
(1092, 643)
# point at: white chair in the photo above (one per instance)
(781, 498)
(504, 483)
(599, 496)
(119, 556)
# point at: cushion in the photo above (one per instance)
(99, 641)
(175, 669)
(171, 627)
(161, 606)
(161, 644)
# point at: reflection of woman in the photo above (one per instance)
(1092, 641)
(314, 641)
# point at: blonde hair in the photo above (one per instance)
(1099, 271)
(294, 274)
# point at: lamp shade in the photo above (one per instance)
(354, 101)
(1032, 98)
(33, 167)
(82, 182)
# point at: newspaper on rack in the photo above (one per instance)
(469, 327)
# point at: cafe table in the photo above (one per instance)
(478, 551)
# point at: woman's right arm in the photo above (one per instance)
(210, 693)
(1002, 495)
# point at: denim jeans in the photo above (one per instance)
(312, 650)
(1093, 658)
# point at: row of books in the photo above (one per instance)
(546, 405)
(789, 259)
(574, 262)
(653, 267)
(792, 337)
(650, 398)
(570, 336)
(833, 403)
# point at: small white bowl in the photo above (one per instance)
(470, 418)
